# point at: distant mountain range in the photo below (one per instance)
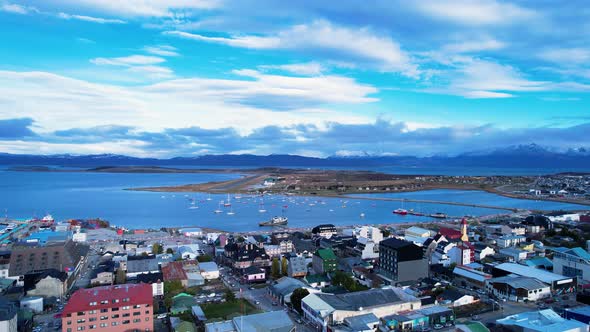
(520, 156)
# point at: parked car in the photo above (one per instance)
(438, 326)
(161, 316)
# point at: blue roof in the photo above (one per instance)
(577, 251)
(539, 262)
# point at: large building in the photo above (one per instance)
(541, 321)
(322, 310)
(62, 256)
(126, 307)
(574, 262)
(518, 289)
(401, 261)
(559, 284)
(324, 261)
(324, 230)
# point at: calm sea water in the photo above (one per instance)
(90, 195)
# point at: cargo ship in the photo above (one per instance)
(275, 221)
(438, 215)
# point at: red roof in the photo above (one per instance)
(115, 296)
(450, 233)
(174, 271)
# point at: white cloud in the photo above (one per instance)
(92, 19)
(308, 68)
(475, 12)
(161, 50)
(125, 147)
(142, 8)
(327, 40)
(481, 75)
(58, 102)
(567, 56)
(470, 46)
(17, 9)
(152, 72)
(128, 60)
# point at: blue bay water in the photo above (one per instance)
(68, 195)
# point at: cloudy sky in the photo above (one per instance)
(317, 78)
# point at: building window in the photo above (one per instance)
(126, 299)
(114, 309)
(126, 321)
(81, 320)
(115, 301)
(104, 324)
(81, 328)
(91, 327)
(137, 313)
(92, 319)
(137, 320)
(136, 306)
(104, 317)
(115, 316)
(125, 307)
(115, 323)
(81, 313)
(147, 319)
(92, 303)
(104, 310)
(92, 312)
(126, 314)
(104, 302)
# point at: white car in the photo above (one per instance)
(162, 316)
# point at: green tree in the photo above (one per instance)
(169, 251)
(230, 296)
(284, 264)
(157, 249)
(296, 298)
(275, 272)
(204, 258)
(173, 286)
(120, 276)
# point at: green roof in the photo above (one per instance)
(476, 327)
(326, 254)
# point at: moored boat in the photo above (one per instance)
(275, 221)
(400, 212)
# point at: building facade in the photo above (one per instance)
(401, 261)
(126, 307)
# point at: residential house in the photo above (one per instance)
(454, 298)
(282, 289)
(243, 256)
(182, 302)
(46, 283)
(174, 271)
(8, 315)
(156, 280)
(209, 270)
(297, 266)
(482, 251)
(509, 240)
(254, 274)
(462, 254)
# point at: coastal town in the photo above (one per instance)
(509, 273)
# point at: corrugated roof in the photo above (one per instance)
(523, 270)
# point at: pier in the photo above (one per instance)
(433, 202)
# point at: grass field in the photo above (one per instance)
(228, 310)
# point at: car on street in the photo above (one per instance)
(275, 303)
(161, 316)
(438, 326)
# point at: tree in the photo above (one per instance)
(230, 296)
(275, 268)
(296, 298)
(157, 249)
(120, 277)
(173, 286)
(386, 233)
(284, 265)
(204, 258)
(169, 251)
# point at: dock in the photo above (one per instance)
(426, 201)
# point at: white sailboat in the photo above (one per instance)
(209, 197)
(228, 202)
(218, 208)
(262, 209)
(231, 212)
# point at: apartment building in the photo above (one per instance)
(126, 307)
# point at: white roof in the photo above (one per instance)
(527, 271)
(314, 302)
(471, 274)
(418, 230)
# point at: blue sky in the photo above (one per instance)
(317, 78)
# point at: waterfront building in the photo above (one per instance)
(110, 308)
(401, 261)
(324, 230)
(559, 284)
